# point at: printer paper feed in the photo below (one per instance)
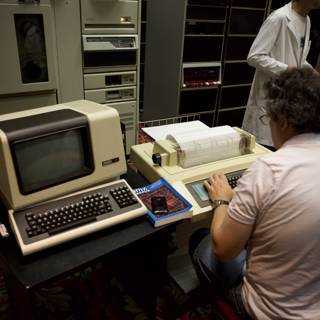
(207, 145)
(160, 132)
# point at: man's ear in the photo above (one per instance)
(283, 124)
(286, 128)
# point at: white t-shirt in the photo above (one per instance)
(280, 195)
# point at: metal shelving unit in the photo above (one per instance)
(244, 23)
(182, 66)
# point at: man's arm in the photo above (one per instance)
(259, 54)
(229, 236)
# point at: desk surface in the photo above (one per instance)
(36, 269)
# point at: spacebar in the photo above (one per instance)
(71, 225)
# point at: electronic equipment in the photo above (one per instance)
(201, 74)
(52, 222)
(128, 116)
(41, 64)
(52, 151)
(159, 205)
(104, 52)
(28, 53)
(110, 77)
(109, 17)
(49, 151)
(111, 94)
(163, 159)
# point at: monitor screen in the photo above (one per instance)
(49, 160)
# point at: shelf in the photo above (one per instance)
(206, 13)
(237, 48)
(218, 3)
(205, 31)
(241, 35)
(236, 85)
(204, 35)
(232, 97)
(245, 21)
(241, 108)
(196, 27)
(248, 8)
(206, 6)
(203, 48)
(206, 20)
(235, 61)
(236, 73)
(251, 4)
(200, 88)
(198, 100)
(231, 117)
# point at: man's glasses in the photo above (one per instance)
(265, 119)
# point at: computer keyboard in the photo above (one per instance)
(56, 221)
(233, 178)
(200, 194)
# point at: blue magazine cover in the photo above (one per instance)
(178, 207)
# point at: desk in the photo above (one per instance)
(24, 274)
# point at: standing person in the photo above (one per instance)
(282, 42)
(263, 249)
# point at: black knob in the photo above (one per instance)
(156, 158)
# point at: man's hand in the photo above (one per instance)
(218, 187)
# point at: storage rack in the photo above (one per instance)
(245, 19)
(188, 32)
(199, 31)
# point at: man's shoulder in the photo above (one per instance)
(277, 19)
(270, 160)
(279, 14)
(278, 159)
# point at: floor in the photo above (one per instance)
(181, 270)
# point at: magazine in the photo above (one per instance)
(178, 207)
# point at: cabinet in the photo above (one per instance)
(195, 40)
(40, 62)
(184, 45)
(244, 23)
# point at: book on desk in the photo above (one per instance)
(178, 208)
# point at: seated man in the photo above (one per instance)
(263, 250)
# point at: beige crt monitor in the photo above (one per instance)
(93, 153)
(161, 160)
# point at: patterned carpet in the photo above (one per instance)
(98, 293)
(110, 290)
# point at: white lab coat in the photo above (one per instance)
(275, 48)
